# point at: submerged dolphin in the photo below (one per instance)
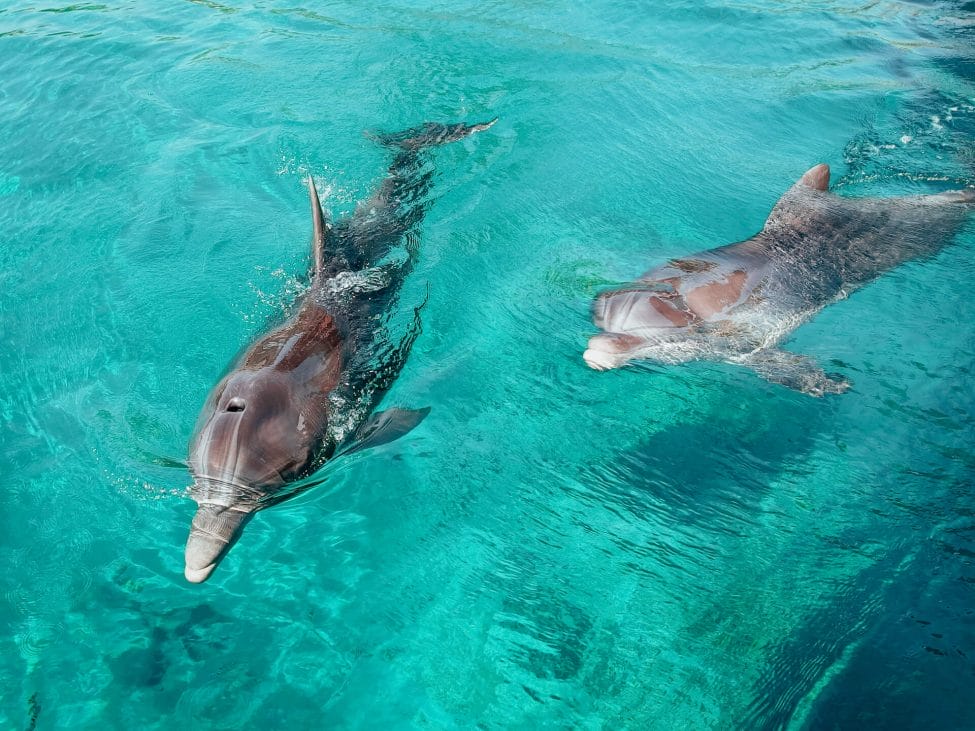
(301, 394)
(737, 302)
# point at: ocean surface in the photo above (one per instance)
(679, 547)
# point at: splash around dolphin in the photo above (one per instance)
(304, 393)
(736, 303)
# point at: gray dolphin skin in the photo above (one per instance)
(736, 303)
(303, 393)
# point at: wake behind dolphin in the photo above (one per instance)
(301, 394)
(736, 303)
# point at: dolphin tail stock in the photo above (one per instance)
(214, 530)
(405, 181)
(386, 426)
(374, 370)
(401, 201)
(965, 196)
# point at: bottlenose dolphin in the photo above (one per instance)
(736, 303)
(303, 393)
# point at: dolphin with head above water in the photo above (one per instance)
(736, 303)
(303, 393)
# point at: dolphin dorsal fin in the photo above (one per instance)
(816, 177)
(318, 221)
(795, 207)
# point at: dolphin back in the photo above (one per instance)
(848, 240)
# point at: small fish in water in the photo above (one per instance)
(303, 393)
(736, 303)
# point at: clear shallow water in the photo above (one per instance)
(683, 547)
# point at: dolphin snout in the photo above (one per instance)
(609, 350)
(214, 530)
(598, 360)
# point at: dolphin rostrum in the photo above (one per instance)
(303, 393)
(736, 303)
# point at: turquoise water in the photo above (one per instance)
(673, 547)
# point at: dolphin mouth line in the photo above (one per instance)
(239, 496)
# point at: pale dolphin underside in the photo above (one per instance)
(303, 393)
(736, 303)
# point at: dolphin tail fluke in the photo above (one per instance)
(429, 135)
(214, 530)
(965, 195)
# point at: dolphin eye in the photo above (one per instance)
(235, 404)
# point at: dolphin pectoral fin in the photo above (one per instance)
(387, 426)
(798, 372)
